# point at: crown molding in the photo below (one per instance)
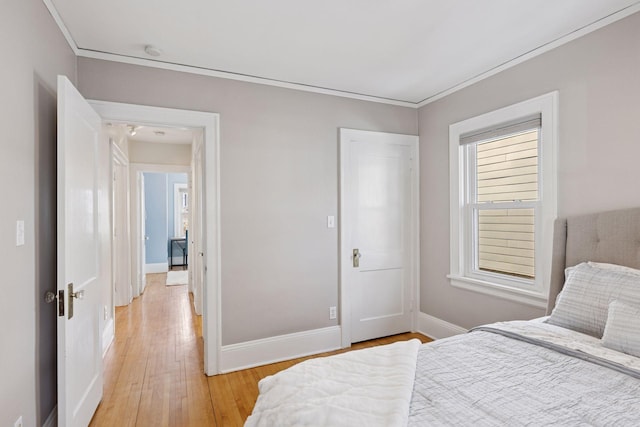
(603, 22)
(65, 31)
(234, 76)
(86, 53)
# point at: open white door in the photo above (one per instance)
(142, 256)
(79, 270)
(378, 233)
(196, 233)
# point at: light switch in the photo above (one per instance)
(331, 221)
(19, 232)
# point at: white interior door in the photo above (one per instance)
(142, 216)
(379, 235)
(80, 279)
(123, 290)
(196, 234)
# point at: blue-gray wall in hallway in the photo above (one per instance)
(158, 199)
(155, 200)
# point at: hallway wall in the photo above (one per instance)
(34, 53)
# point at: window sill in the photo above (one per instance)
(532, 298)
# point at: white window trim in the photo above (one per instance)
(547, 106)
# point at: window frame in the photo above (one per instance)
(461, 275)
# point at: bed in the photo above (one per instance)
(580, 365)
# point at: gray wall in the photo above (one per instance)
(279, 181)
(598, 77)
(159, 154)
(34, 52)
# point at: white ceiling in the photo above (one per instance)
(400, 51)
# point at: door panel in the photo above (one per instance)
(79, 245)
(377, 206)
(197, 225)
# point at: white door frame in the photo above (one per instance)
(121, 255)
(345, 256)
(177, 211)
(136, 170)
(210, 122)
(196, 235)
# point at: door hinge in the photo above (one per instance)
(61, 303)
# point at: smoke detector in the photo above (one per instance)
(152, 50)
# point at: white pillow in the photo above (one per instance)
(622, 332)
(615, 267)
(588, 290)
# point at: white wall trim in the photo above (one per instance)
(235, 357)
(589, 28)
(135, 172)
(630, 10)
(210, 123)
(436, 328)
(240, 77)
(176, 206)
(158, 168)
(461, 270)
(108, 334)
(159, 267)
(52, 419)
(63, 28)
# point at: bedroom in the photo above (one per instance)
(596, 76)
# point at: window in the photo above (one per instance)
(503, 200)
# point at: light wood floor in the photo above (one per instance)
(154, 368)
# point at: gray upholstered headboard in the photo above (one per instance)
(612, 237)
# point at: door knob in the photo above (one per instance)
(49, 297)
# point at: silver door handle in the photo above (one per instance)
(356, 257)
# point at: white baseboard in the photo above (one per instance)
(248, 354)
(52, 419)
(107, 335)
(161, 267)
(437, 328)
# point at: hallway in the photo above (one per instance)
(154, 368)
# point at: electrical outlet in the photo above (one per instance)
(332, 313)
(18, 422)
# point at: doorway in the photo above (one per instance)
(379, 234)
(209, 177)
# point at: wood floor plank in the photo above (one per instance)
(153, 371)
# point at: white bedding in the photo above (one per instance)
(509, 373)
(370, 387)
(487, 379)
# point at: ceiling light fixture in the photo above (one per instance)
(152, 50)
(132, 130)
